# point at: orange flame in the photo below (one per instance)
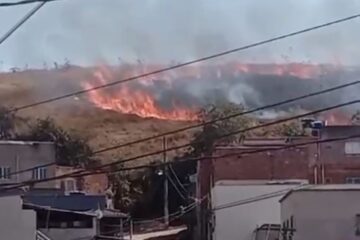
(134, 101)
(142, 103)
(336, 118)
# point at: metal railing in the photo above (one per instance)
(41, 236)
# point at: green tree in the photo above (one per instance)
(71, 150)
(127, 188)
(7, 123)
(210, 134)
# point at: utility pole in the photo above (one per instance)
(166, 186)
(198, 204)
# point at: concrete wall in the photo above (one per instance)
(16, 223)
(24, 155)
(326, 215)
(240, 222)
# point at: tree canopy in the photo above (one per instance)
(71, 150)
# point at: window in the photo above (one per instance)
(352, 180)
(70, 185)
(5, 173)
(352, 148)
(39, 173)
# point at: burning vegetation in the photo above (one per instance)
(179, 94)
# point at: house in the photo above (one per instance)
(232, 219)
(17, 156)
(16, 223)
(231, 163)
(92, 184)
(52, 214)
(329, 212)
(274, 159)
(338, 161)
(334, 162)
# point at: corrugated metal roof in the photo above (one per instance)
(75, 202)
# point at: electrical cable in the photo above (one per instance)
(20, 23)
(82, 174)
(291, 100)
(181, 65)
(24, 2)
(175, 187)
(260, 197)
(177, 178)
(328, 90)
(283, 120)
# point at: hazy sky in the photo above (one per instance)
(89, 31)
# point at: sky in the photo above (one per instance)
(159, 31)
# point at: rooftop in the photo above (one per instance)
(31, 143)
(323, 188)
(261, 182)
(106, 213)
(75, 202)
(266, 142)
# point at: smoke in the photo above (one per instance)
(252, 90)
(89, 31)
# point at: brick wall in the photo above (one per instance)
(327, 162)
(271, 165)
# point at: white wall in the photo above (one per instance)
(326, 215)
(239, 223)
(70, 234)
(16, 223)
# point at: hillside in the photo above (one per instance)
(103, 128)
(99, 115)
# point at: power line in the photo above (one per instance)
(259, 197)
(25, 2)
(256, 44)
(256, 151)
(32, 168)
(83, 173)
(328, 90)
(21, 22)
(233, 133)
(175, 186)
(238, 114)
(177, 178)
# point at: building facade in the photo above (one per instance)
(16, 223)
(337, 161)
(243, 221)
(92, 184)
(329, 212)
(17, 156)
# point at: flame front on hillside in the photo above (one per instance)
(145, 96)
(135, 101)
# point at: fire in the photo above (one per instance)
(134, 101)
(136, 97)
(336, 118)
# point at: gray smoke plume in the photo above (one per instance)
(250, 89)
(89, 31)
